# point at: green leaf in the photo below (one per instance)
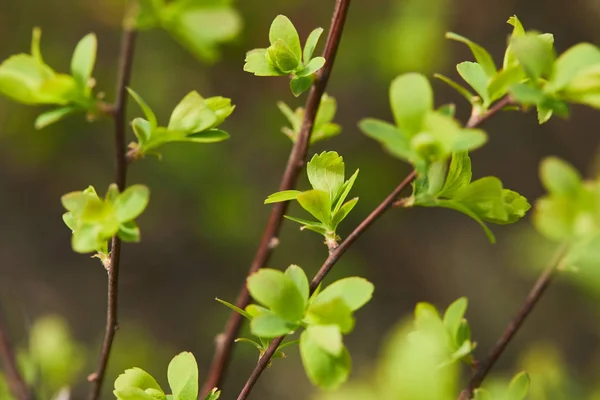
(300, 84)
(411, 98)
(459, 174)
(277, 291)
(313, 66)
(509, 58)
(256, 63)
(311, 44)
(518, 387)
(284, 59)
(464, 92)
(389, 136)
(270, 325)
(317, 203)
(455, 205)
(334, 311)
(132, 202)
(192, 115)
(129, 232)
(36, 37)
(535, 54)
(82, 63)
(214, 394)
(503, 80)
(481, 55)
(343, 212)
(484, 197)
(150, 116)
(323, 369)
(474, 74)
(326, 173)
(235, 308)
(207, 136)
(559, 177)
(310, 225)
(344, 191)
(355, 291)
(135, 378)
(299, 278)
(328, 337)
(573, 62)
(283, 29)
(482, 394)
(87, 238)
(22, 78)
(183, 376)
(453, 317)
(285, 195)
(52, 116)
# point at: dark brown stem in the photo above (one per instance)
(224, 341)
(325, 268)
(120, 125)
(484, 366)
(15, 380)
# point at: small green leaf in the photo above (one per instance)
(134, 383)
(559, 177)
(355, 291)
(482, 394)
(277, 291)
(284, 59)
(481, 55)
(464, 92)
(132, 202)
(285, 195)
(389, 136)
(455, 205)
(207, 136)
(300, 84)
(313, 66)
(299, 278)
(326, 173)
(87, 238)
(317, 203)
(573, 62)
(214, 394)
(503, 80)
(256, 63)
(150, 116)
(192, 115)
(323, 369)
(36, 37)
(183, 376)
(270, 325)
(343, 212)
(310, 225)
(82, 63)
(311, 44)
(333, 311)
(519, 387)
(474, 74)
(129, 232)
(235, 308)
(411, 98)
(52, 116)
(453, 317)
(344, 191)
(535, 54)
(283, 29)
(328, 337)
(459, 174)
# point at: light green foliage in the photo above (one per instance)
(195, 119)
(198, 25)
(549, 377)
(53, 359)
(484, 200)
(323, 127)
(421, 135)
(285, 306)
(517, 389)
(94, 221)
(182, 374)
(285, 56)
(27, 79)
(327, 200)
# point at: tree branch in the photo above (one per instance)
(484, 367)
(120, 125)
(269, 241)
(15, 380)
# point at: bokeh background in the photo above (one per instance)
(206, 215)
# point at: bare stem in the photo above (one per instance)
(15, 380)
(120, 124)
(484, 367)
(224, 341)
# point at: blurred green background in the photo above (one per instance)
(206, 215)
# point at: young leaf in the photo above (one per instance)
(411, 99)
(455, 205)
(284, 59)
(183, 377)
(389, 136)
(453, 317)
(518, 387)
(474, 74)
(269, 325)
(459, 174)
(82, 63)
(52, 116)
(277, 291)
(559, 177)
(311, 44)
(300, 84)
(299, 278)
(285, 195)
(310, 225)
(344, 191)
(313, 66)
(135, 382)
(323, 369)
(535, 54)
(131, 203)
(283, 29)
(343, 212)
(317, 203)
(150, 116)
(129, 232)
(334, 311)
(256, 63)
(573, 62)
(481, 55)
(356, 292)
(326, 173)
(464, 92)
(192, 114)
(235, 308)
(328, 337)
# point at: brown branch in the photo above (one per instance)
(15, 380)
(224, 341)
(120, 124)
(484, 367)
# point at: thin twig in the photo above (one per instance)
(14, 379)
(484, 367)
(269, 241)
(474, 121)
(120, 124)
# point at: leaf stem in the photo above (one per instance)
(15, 380)
(120, 125)
(269, 241)
(484, 367)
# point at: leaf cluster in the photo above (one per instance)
(285, 305)
(285, 56)
(327, 200)
(182, 374)
(94, 221)
(195, 119)
(323, 127)
(27, 79)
